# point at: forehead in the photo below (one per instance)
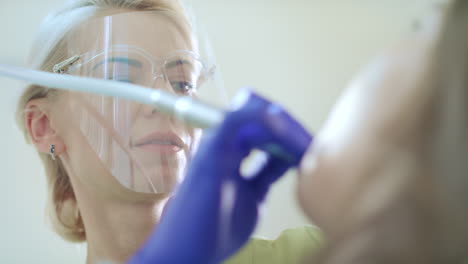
(158, 33)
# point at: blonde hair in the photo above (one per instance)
(49, 49)
(425, 220)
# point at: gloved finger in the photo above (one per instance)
(254, 124)
(267, 126)
(267, 175)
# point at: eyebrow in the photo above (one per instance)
(131, 62)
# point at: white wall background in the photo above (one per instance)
(299, 52)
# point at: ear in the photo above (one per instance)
(40, 128)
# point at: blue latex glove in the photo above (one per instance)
(215, 210)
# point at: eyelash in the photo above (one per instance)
(125, 80)
(191, 88)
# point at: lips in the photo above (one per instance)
(160, 141)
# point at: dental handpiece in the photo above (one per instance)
(184, 108)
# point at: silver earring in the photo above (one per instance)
(52, 151)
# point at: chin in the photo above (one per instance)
(161, 179)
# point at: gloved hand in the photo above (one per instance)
(215, 210)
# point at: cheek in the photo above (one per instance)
(80, 158)
(326, 183)
(195, 135)
(316, 189)
(305, 193)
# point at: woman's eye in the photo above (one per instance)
(182, 87)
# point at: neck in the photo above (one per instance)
(115, 229)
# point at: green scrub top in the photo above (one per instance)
(292, 246)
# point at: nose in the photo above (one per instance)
(160, 83)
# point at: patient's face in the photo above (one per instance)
(368, 138)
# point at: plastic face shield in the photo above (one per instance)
(145, 150)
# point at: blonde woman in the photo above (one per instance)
(112, 165)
